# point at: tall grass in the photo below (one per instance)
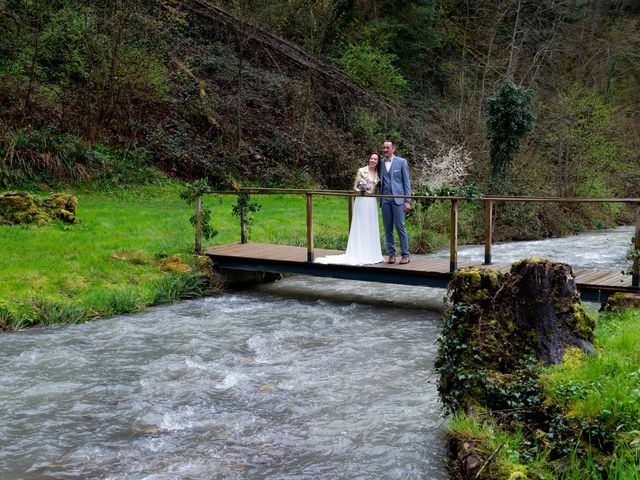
(105, 303)
(176, 286)
(602, 392)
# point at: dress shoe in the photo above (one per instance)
(392, 259)
(405, 260)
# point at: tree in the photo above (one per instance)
(509, 121)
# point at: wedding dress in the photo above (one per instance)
(363, 247)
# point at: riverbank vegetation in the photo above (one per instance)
(518, 413)
(591, 409)
(132, 248)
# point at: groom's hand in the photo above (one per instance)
(407, 206)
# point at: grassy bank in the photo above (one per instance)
(590, 415)
(112, 261)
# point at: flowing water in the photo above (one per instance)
(599, 250)
(306, 378)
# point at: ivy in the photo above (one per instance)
(509, 121)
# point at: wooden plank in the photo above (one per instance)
(605, 278)
(614, 279)
(596, 278)
(586, 274)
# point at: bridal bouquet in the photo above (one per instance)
(364, 185)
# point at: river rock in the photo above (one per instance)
(18, 208)
(621, 301)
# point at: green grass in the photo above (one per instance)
(62, 262)
(503, 446)
(602, 392)
(109, 262)
(597, 398)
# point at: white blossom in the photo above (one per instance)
(448, 167)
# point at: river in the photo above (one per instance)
(305, 378)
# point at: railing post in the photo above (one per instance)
(243, 227)
(635, 275)
(488, 230)
(350, 200)
(453, 241)
(310, 254)
(198, 224)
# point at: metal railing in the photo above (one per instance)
(488, 200)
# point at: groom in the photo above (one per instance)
(394, 177)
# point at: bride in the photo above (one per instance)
(363, 246)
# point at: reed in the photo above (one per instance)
(105, 303)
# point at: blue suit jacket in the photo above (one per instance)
(400, 181)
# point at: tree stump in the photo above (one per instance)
(500, 325)
(544, 300)
(498, 331)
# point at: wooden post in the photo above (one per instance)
(635, 276)
(198, 224)
(310, 254)
(453, 241)
(488, 230)
(350, 200)
(243, 227)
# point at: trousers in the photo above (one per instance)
(393, 216)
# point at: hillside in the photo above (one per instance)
(297, 93)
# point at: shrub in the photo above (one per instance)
(509, 120)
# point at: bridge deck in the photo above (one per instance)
(426, 271)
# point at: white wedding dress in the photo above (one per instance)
(363, 247)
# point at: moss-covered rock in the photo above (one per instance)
(175, 264)
(18, 208)
(621, 301)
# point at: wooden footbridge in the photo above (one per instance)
(423, 270)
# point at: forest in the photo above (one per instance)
(297, 93)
